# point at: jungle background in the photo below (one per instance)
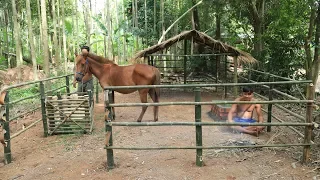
(39, 39)
(45, 34)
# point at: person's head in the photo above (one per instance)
(247, 92)
(85, 49)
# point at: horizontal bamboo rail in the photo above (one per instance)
(34, 82)
(72, 105)
(209, 103)
(70, 132)
(68, 127)
(52, 90)
(22, 99)
(270, 74)
(28, 127)
(274, 90)
(194, 55)
(32, 110)
(203, 124)
(283, 108)
(206, 147)
(79, 120)
(292, 128)
(205, 85)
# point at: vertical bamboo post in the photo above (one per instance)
(308, 129)
(217, 64)
(90, 94)
(108, 118)
(113, 109)
(152, 63)
(270, 105)
(67, 85)
(249, 73)
(43, 110)
(97, 90)
(225, 76)
(185, 62)
(199, 161)
(235, 75)
(6, 126)
(145, 59)
(149, 61)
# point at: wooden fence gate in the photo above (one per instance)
(69, 114)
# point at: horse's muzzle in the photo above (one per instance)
(78, 78)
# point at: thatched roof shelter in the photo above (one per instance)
(200, 38)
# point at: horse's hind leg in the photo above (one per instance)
(143, 97)
(155, 99)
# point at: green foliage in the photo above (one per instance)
(101, 25)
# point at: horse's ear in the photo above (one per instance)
(2, 96)
(75, 54)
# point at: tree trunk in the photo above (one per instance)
(31, 40)
(218, 26)
(199, 49)
(86, 16)
(145, 22)
(316, 60)
(17, 37)
(45, 38)
(77, 27)
(109, 29)
(195, 17)
(124, 34)
(256, 8)
(136, 24)
(154, 15)
(55, 49)
(7, 37)
(64, 39)
(39, 17)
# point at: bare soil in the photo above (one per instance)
(84, 156)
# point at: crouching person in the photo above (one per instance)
(244, 114)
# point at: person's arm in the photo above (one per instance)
(232, 111)
(259, 113)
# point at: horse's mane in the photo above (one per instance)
(100, 59)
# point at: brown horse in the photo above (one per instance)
(110, 74)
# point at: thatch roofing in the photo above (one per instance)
(200, 38)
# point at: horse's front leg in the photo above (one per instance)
(143, 97)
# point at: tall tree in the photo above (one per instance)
(7, 35)
(77, 26)
(257, 12)
(40, 35)
(45, 38)
(87, 19)
(313, 63)
(31, 40)
(64, 36)
(17, 37)
(56, 47)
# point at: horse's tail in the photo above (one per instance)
(157, 82)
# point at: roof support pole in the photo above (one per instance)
(235, 75)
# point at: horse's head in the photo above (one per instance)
(2, 107)
(81, 67)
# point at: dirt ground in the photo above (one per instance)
(84, 156)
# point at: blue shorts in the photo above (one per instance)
(244, 120)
